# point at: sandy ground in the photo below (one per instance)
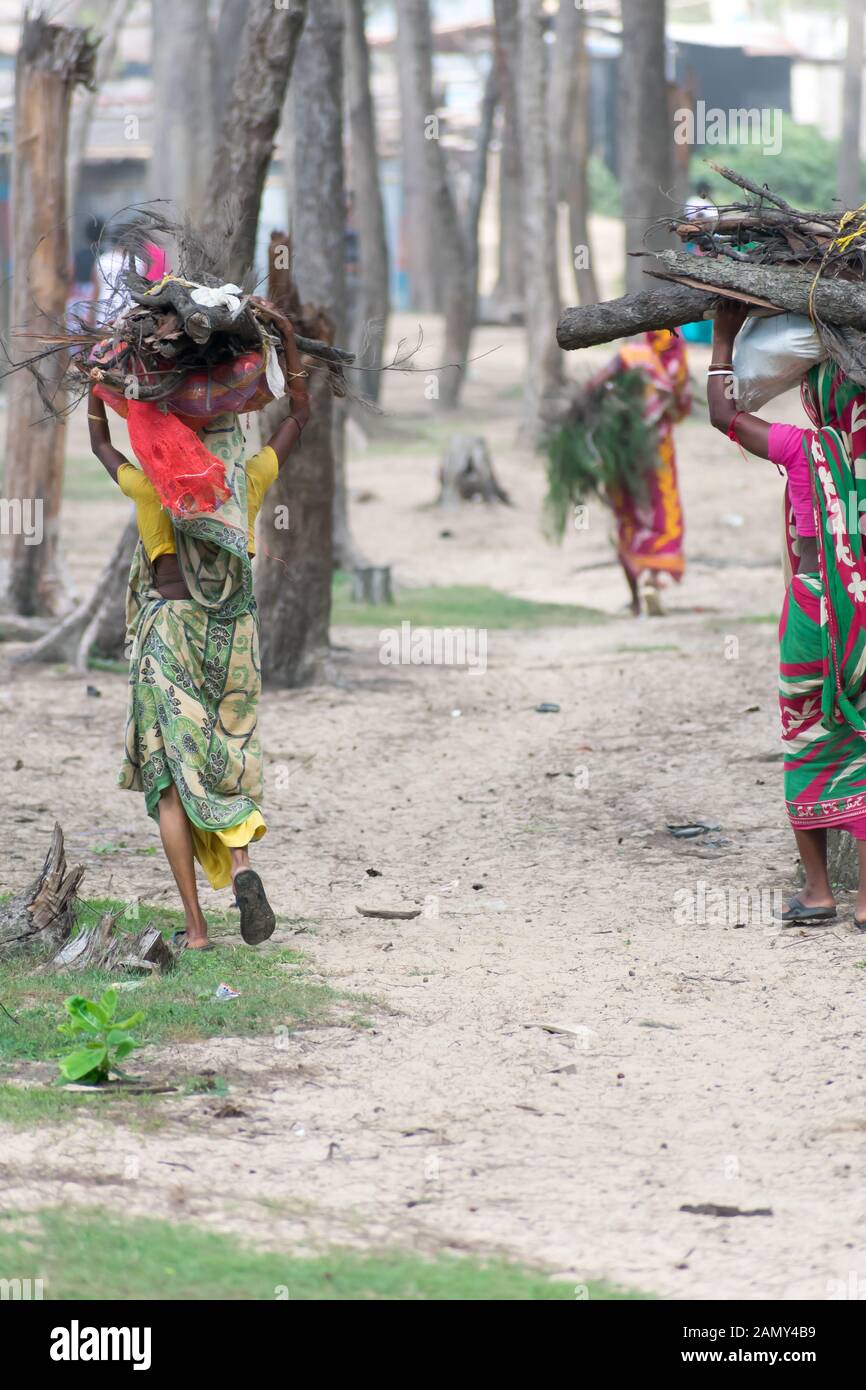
(708, 1061)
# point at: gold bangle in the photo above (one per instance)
(96, 417)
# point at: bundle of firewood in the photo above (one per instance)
(188, 327)
(760, 250)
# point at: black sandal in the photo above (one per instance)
(257, 916)
(180, 941)
(799, 912)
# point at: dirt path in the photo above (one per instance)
(710, 1062)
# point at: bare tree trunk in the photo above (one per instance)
(294, 563)
(478, 184)
(319, 210)
(544, 372)
(848, 177)
(569, 140)
(228, 41)
(371, 311)
(182, 104)
(419, 226)
(457, 297)
(51, 61)
(645, 134)
(250, 122)
(510, 285)
(113, 18)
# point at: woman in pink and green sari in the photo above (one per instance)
(822, 633)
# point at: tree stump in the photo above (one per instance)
(842, 865)
(42, 915)
(372, 584)
(466, 473)
(102, 947)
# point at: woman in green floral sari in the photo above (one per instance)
(192, 744)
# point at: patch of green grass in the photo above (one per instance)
(24, 1107)
(101, 663)
(652, 647)
(456, 606)
(180, 1006)
(746, 618)
(88, 1255)
(85, 480)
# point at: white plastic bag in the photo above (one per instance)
(773, 354)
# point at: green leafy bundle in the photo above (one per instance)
(603, 446)
(105, 1040)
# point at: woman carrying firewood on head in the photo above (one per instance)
(192, 745)
(822, 681)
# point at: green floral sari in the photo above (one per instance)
(194, 674)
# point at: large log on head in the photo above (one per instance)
(51, 61)
(591, 324)
(840, 302)
(691, 283)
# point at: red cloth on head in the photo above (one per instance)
(186, 475)
(234, 387)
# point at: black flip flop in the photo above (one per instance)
(180, 941)
(861, 926)
(257, 916)
(798, 912)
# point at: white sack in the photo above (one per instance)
(773, 354)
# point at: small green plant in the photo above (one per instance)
(105, 1040)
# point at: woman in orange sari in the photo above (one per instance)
(649, 524)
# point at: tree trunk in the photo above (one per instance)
(544, 373)
(250, 122)
(577, 184)
(319, 212)
(228, 42)
(182, 105)
(569, 137)
(419, 229)
(51, 61)
(848, 178)
(294, 563)
(457, 298)
(371, 310)
(113, 18)
(510, 284)
(645, 134)
(478, 183)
